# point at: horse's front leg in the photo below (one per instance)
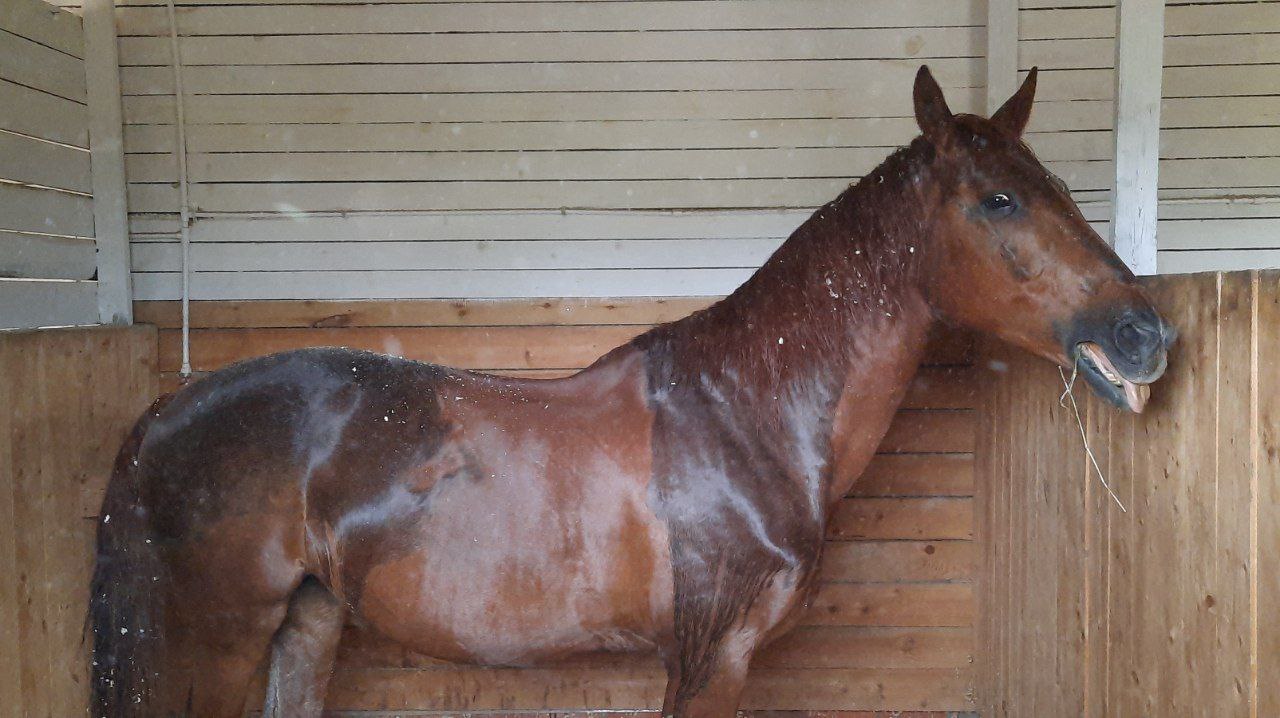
(712, 690)
(716, 641)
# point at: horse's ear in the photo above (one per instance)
(932, 114)
(1013, 114)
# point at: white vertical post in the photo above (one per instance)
(1002, 52)
(1139, 64)
(106, 152)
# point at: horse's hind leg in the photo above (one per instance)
(303, 652)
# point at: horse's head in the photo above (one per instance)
(1011, 254)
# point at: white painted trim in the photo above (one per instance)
(1002, 52)
(1139, 67)
(106, 146)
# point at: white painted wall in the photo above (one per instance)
(47, 251)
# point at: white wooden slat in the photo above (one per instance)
(28, 63)
(26, 304)
(402, 256)
(30, 161)
(374, 196)
(508, 166)
(1219, 233)
(915, 43)
(443, 285)
(1219, 142)
(1220, 173)
(540, 106)
(1219, 112)
(43, 257)
(531, 17)
(879, 77)
(526, 136)
(496, 226)
(42, 115)
(1222, 208)
(27, 209)
(1179, 82)
(1002, 52)
(1059, 22)
(1190, 50)
(37, 20)
(1217, 260)
(110, 211)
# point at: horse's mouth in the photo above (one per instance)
(1107, 381)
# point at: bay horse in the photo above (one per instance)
(669, 498)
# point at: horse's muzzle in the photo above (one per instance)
(1120, 351)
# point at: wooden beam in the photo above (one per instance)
(1139, 65)
(106, 146)
(1002, 52)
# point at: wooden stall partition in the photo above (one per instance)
(1167, 607)
(67, 398)
(892, 625)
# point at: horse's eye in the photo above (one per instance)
(999, 204)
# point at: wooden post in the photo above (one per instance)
(106, 149)
(1139, 64)
(1002, 52)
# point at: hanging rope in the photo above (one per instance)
(1067, 386)
(184, 214)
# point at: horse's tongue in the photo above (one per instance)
(1136, 395)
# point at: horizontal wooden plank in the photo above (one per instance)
(1219, 233)
(701, 164)
(568, 689)
(916, 475)
(461, 17)
(38, 256)
(462, 347)
(680, 45)
(472, 196)
(1216, 260)
(44, 24)
(825, 647)
(421, 313)
(444, 285)
(28, 209)
(862, 647)
(498, 347)
(526, 136)
(1220, 173)
(39, 114)
(892, 77)
(402, 256)
(884, 604)
(31, 161)
(897, 561)
(29, 63)
(940, 431)
(367, 105)
(47, 303)
(942, 388)
(917, 519)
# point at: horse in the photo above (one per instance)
(670, 498)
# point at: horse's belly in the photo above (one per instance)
(516, 579)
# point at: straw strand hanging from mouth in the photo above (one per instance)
(1067, 386)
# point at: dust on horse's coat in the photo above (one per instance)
(672, 497)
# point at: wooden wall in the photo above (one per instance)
(69, 396)
(892, 627)
(1168, 609)
(46, 203)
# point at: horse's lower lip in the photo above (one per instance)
(1135, 395)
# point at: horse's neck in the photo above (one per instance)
(814, 353)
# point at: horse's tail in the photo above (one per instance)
(126, 596)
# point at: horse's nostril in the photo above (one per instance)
(1137, 338)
